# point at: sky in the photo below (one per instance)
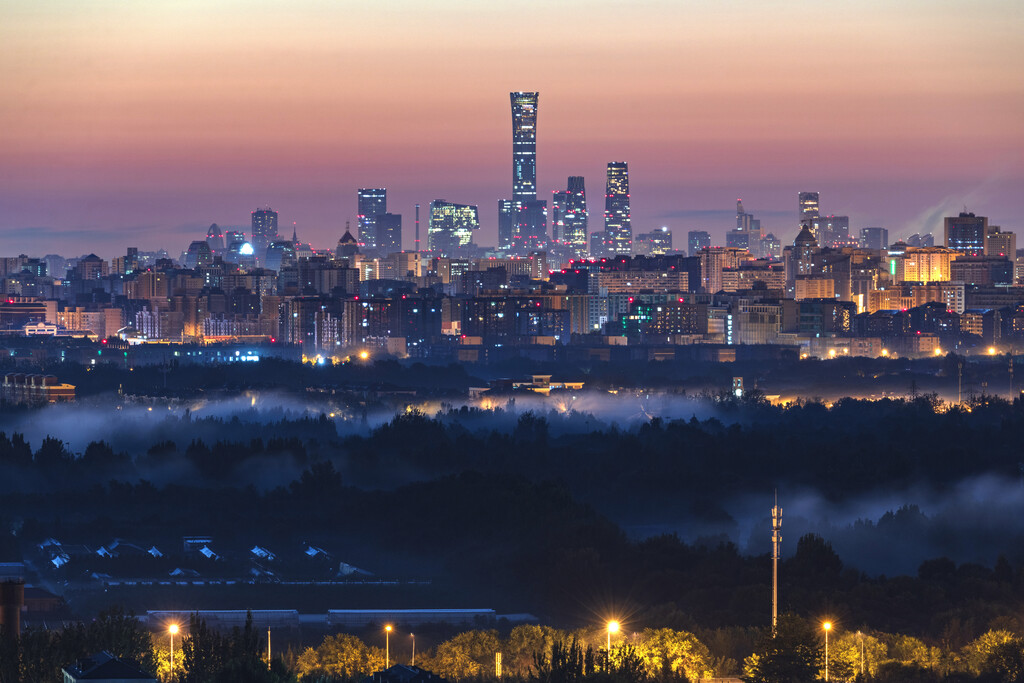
(140, 123)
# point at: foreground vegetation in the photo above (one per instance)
(529, 654)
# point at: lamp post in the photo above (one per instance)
(828, 627)
(172, 629)
(413, 636)
(613, 627)
(387, 646)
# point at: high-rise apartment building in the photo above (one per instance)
(451, 226)
(264, 230)
(697, 240)
(1000, 244)
(966, 233)
(617, 219)
(372, 202)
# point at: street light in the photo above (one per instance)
(828, 627)
(172, 630)
(613, 627)
(387, 646)
(413, 636)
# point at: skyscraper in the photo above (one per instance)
(215, 238)
(524, 146)
(531, 226)
(559, 199)
(451, 226)
(522, 221)
(388, 227)
(617, 220)
(264, 230)
(573, 230)
(372, 202)
(743, 219)
(966, 233)
(809, 209)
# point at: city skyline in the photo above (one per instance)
(145, 125)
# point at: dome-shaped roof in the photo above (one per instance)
(805, 238)
(347, 238)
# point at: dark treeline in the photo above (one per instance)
(522, 511)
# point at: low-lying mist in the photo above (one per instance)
(887, 520)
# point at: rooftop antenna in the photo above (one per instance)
(776, 544)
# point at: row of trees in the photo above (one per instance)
(529, 654)
(795, 652)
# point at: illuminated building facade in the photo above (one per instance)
(524, 146)
(264, 229)
(451, 226)
(713, 260)
(574, 231)
(1000, 244)
(931, 264)
(372, 203)
(966, 233)
(655, 243)
(808, 203)
(617, 219)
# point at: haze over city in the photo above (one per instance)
(143, 123)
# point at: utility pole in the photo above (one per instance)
(776, 543)
(417, 228)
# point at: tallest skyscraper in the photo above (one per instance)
(522, 220)
(524, 146)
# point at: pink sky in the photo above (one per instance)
(142, 123)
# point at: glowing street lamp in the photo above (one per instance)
(387, 646)
(613, 627)
(413, 636)
(828, 627)
(172, 630)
